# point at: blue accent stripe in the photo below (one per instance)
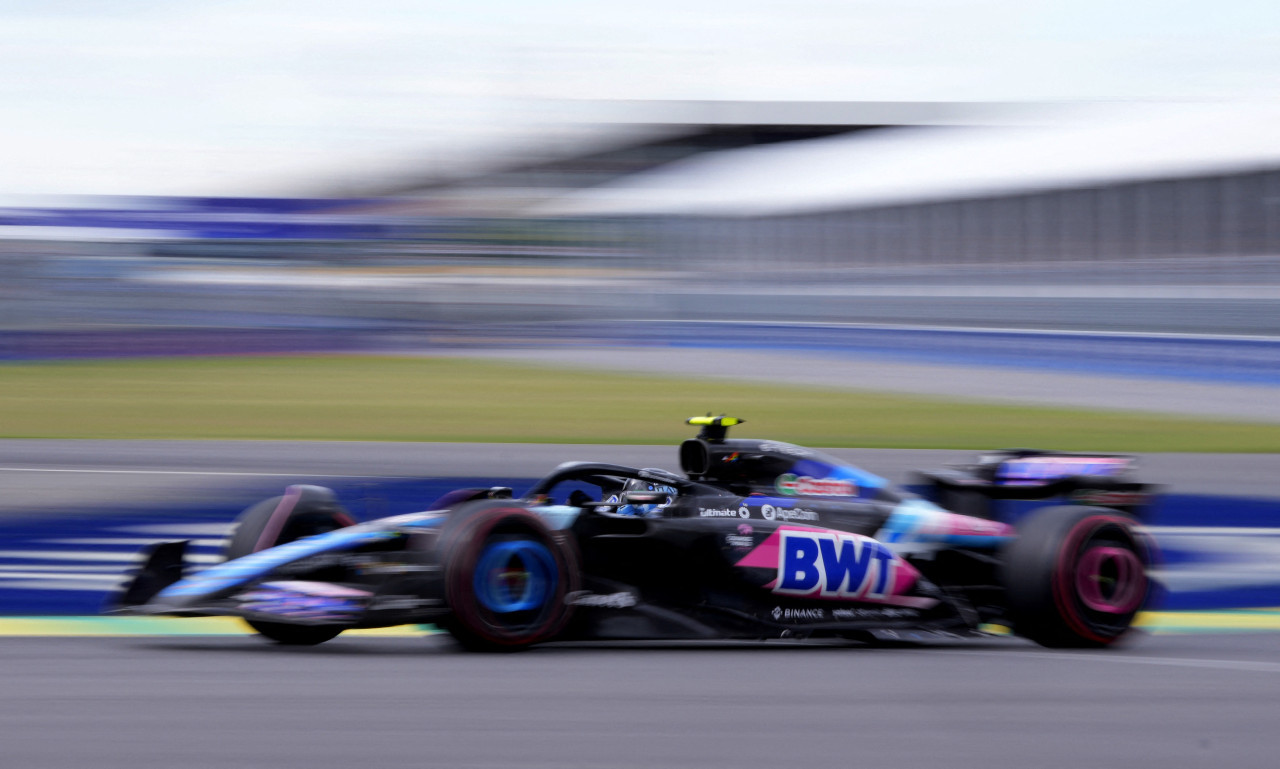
(241, 570)
(823, 467)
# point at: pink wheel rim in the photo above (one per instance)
(1110, 580)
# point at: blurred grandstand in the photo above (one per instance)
(1119, 218)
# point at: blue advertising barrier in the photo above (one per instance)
(1177, 357)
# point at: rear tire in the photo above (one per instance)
(506, 577)
(302, 511)
(1075, 577)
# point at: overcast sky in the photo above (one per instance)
(275, 96)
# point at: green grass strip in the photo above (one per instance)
(444, 399)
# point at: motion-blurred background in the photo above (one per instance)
(399, 237)
(943, 198)
(226, 177)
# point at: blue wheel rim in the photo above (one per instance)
(514, 576)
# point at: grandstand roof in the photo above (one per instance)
(1076, 147)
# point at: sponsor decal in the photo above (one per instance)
(1110, 498)
(602, 601)
(798, 514)
(811, 562)
(718, 512)
(744, 512)
(792, 615)
(780, 513)
(303, 600)
(777, 447)
(743, 539)
(805, 486)
(833, 565)
(1048, 468)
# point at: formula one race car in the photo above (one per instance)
(757, 539)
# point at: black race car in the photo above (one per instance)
(756, 539)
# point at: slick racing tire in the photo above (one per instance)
(302, 511)
(1075, 577)
(505, 577)
(287, 634)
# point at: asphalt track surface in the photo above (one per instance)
(84, 474)
(229, 701)
(143, 703)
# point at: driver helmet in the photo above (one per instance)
(647, 510)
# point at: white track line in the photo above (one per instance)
(183, 472)
(92, 556)
(130, 541)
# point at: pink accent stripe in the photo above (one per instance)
(963, 525)
(275, 524)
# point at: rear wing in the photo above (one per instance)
(1101, 480)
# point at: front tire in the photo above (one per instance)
(302, 511)
(287, 634)
(506, 578)
(1076, 577)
